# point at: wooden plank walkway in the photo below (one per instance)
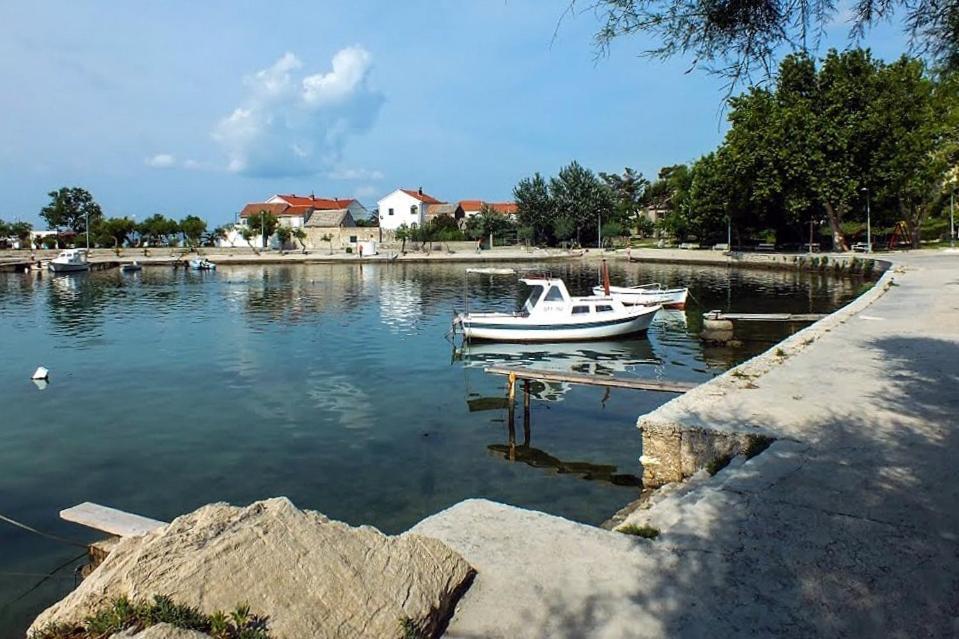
(765, 317)
(110, 520)
(592, 380)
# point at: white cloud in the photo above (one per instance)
(161, 161)
(365, 191)
(289, 126)
(355, 174)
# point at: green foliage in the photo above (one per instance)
(488, 221)
(535, 208)
(113, 231)
(193, 229)
(69, 208)
(19, 230)
(263, 223)
(409, 629)
(123, 614)
(645, 531)
(756, 444)
(158, 229)
(718, 463)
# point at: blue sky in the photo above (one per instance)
(200, 107)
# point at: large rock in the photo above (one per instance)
(311, 576)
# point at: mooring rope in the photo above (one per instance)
(62, 540)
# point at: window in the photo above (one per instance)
(579, 310)
(534, 294)
(391, 211)
(352, 239)
(603, 308)
(554, 295)
(413, 210)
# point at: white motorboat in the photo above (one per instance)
(202, 264)
(551, 314)
(70, 261)
(648, 295)
(131, 267)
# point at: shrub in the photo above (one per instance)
(645, 531)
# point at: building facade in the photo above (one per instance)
(405, 206)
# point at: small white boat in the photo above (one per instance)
(202, 264)
(131, 267)
(648, 295)
(550, 314)
(70, 261)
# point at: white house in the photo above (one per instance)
(405, 206)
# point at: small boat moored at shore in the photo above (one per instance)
(647, 295)
(551, 314)
(70, 261)
(202, 264)
(131, 267)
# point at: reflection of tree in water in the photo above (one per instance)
(295, 295)
(77, 302)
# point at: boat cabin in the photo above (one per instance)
(550, 295)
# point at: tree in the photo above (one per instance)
(264, 223)
(71, 208)
(283, 234)
(300, 235)
(114, 232)
(735, 38)
(21, 231)
(158, 229)
(193, 229)
(535, 208)
(247, 234)
(488, 222)
(581, 199)
(628, 192)
(402, 233)
(216, 235)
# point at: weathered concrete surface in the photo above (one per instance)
(312, 577)
(848, 525)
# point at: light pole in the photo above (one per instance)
(729, 233)
(599, 230)
(86, 224)
(868, 222)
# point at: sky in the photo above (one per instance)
(200, 107)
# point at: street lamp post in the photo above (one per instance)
(729, 233)
(86, 224)
(952, 217)
(868, 222)
(599, 230)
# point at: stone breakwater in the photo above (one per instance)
(311, 576)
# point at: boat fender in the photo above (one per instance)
(41, 373)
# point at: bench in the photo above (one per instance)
(860, 247)
(720, 247)
(766, 247)
(688, 246)
(811, 248)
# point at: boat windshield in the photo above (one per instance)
(534, 295)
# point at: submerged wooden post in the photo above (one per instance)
(511, 414)
(525, 412)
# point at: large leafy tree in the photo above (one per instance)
(628, 191)
(115, 231)
(263, 223)
(193, 229)
(158, 229)
(70, 208)
(581, 201)
(738, 38)
(535, 208)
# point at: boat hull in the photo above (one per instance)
(506, 329)
(669, 298)
(62, 267)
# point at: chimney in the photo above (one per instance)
(421, 190)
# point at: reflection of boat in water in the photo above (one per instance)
(647, 295)
(70, 261)
(594, 358)
(550, 314)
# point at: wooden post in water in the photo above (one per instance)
(525, 412)
(511, 416)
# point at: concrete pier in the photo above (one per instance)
(847, 525)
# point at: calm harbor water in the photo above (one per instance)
(330, 384)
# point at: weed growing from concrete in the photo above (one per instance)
(123, 614)
(410, 631)
(756, 445)
(718, 463)
(780, 352)
(645, 531)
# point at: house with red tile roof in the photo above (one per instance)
(411, 207)
(473, 207)
(296, 211)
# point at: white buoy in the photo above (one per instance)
(41, 373)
